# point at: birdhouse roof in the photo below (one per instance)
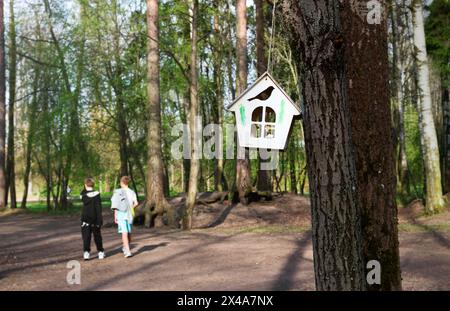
(263, 76)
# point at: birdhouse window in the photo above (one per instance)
(263, 122)
(270, 115)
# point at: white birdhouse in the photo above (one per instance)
(264, 114)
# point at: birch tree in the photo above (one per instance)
(433, 199)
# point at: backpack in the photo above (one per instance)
(121, 200)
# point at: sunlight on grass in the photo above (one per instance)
(424, 228)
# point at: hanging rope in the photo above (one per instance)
(269, 63)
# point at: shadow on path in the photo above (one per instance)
(286, 278)
(223, 215)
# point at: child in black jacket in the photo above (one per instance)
(91, 219)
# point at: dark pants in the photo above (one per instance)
(86, 232)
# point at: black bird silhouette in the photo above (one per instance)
(264, 95)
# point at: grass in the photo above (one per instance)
(275, 229)
(412, 228)
(41, 208)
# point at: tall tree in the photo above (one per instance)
(218, 81)
(434, 200)
(243, 175)
(10, 163)
(156, 203)
(30, 136)
(2, 109)
(399, 55)
(366, 53)
(336, 221)
(264, 176)
(193, 115)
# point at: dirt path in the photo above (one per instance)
(34, 251)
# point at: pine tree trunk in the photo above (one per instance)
(366, 51)
(446, 137)
(10, 164)
(336, 227)
(264, 176)
(434, 200)
(243, 175)
(156, 203)
(2, 109)
(193, 115)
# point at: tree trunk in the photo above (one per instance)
(434, 200)
(243, 175)
(218, 116)
(10, 164)
(123, 150)
(446, 137)
(30, 137)
(366, 51)
(193, 115)
(156, 203)
(398, 68)
(336, 227)
(2, 109)
(264, 176)
(292, 171)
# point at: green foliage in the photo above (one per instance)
(413, 154)
(437, 29)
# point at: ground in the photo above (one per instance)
(265, 246)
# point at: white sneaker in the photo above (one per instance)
(101, 255)
(86, 255)
(128, 254)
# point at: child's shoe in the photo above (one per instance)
(86, 255)
(128, 254)
(101, 255)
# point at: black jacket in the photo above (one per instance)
(92, 207)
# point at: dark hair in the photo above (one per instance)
(89, 182)
(125, 180)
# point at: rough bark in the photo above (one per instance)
(10, 162)
(366, 52)
(193, 115)
(156, 203)
(434, 200)
(2, 109)
(336, 221)
(264, 176)
(243, 175)
(446, 138)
